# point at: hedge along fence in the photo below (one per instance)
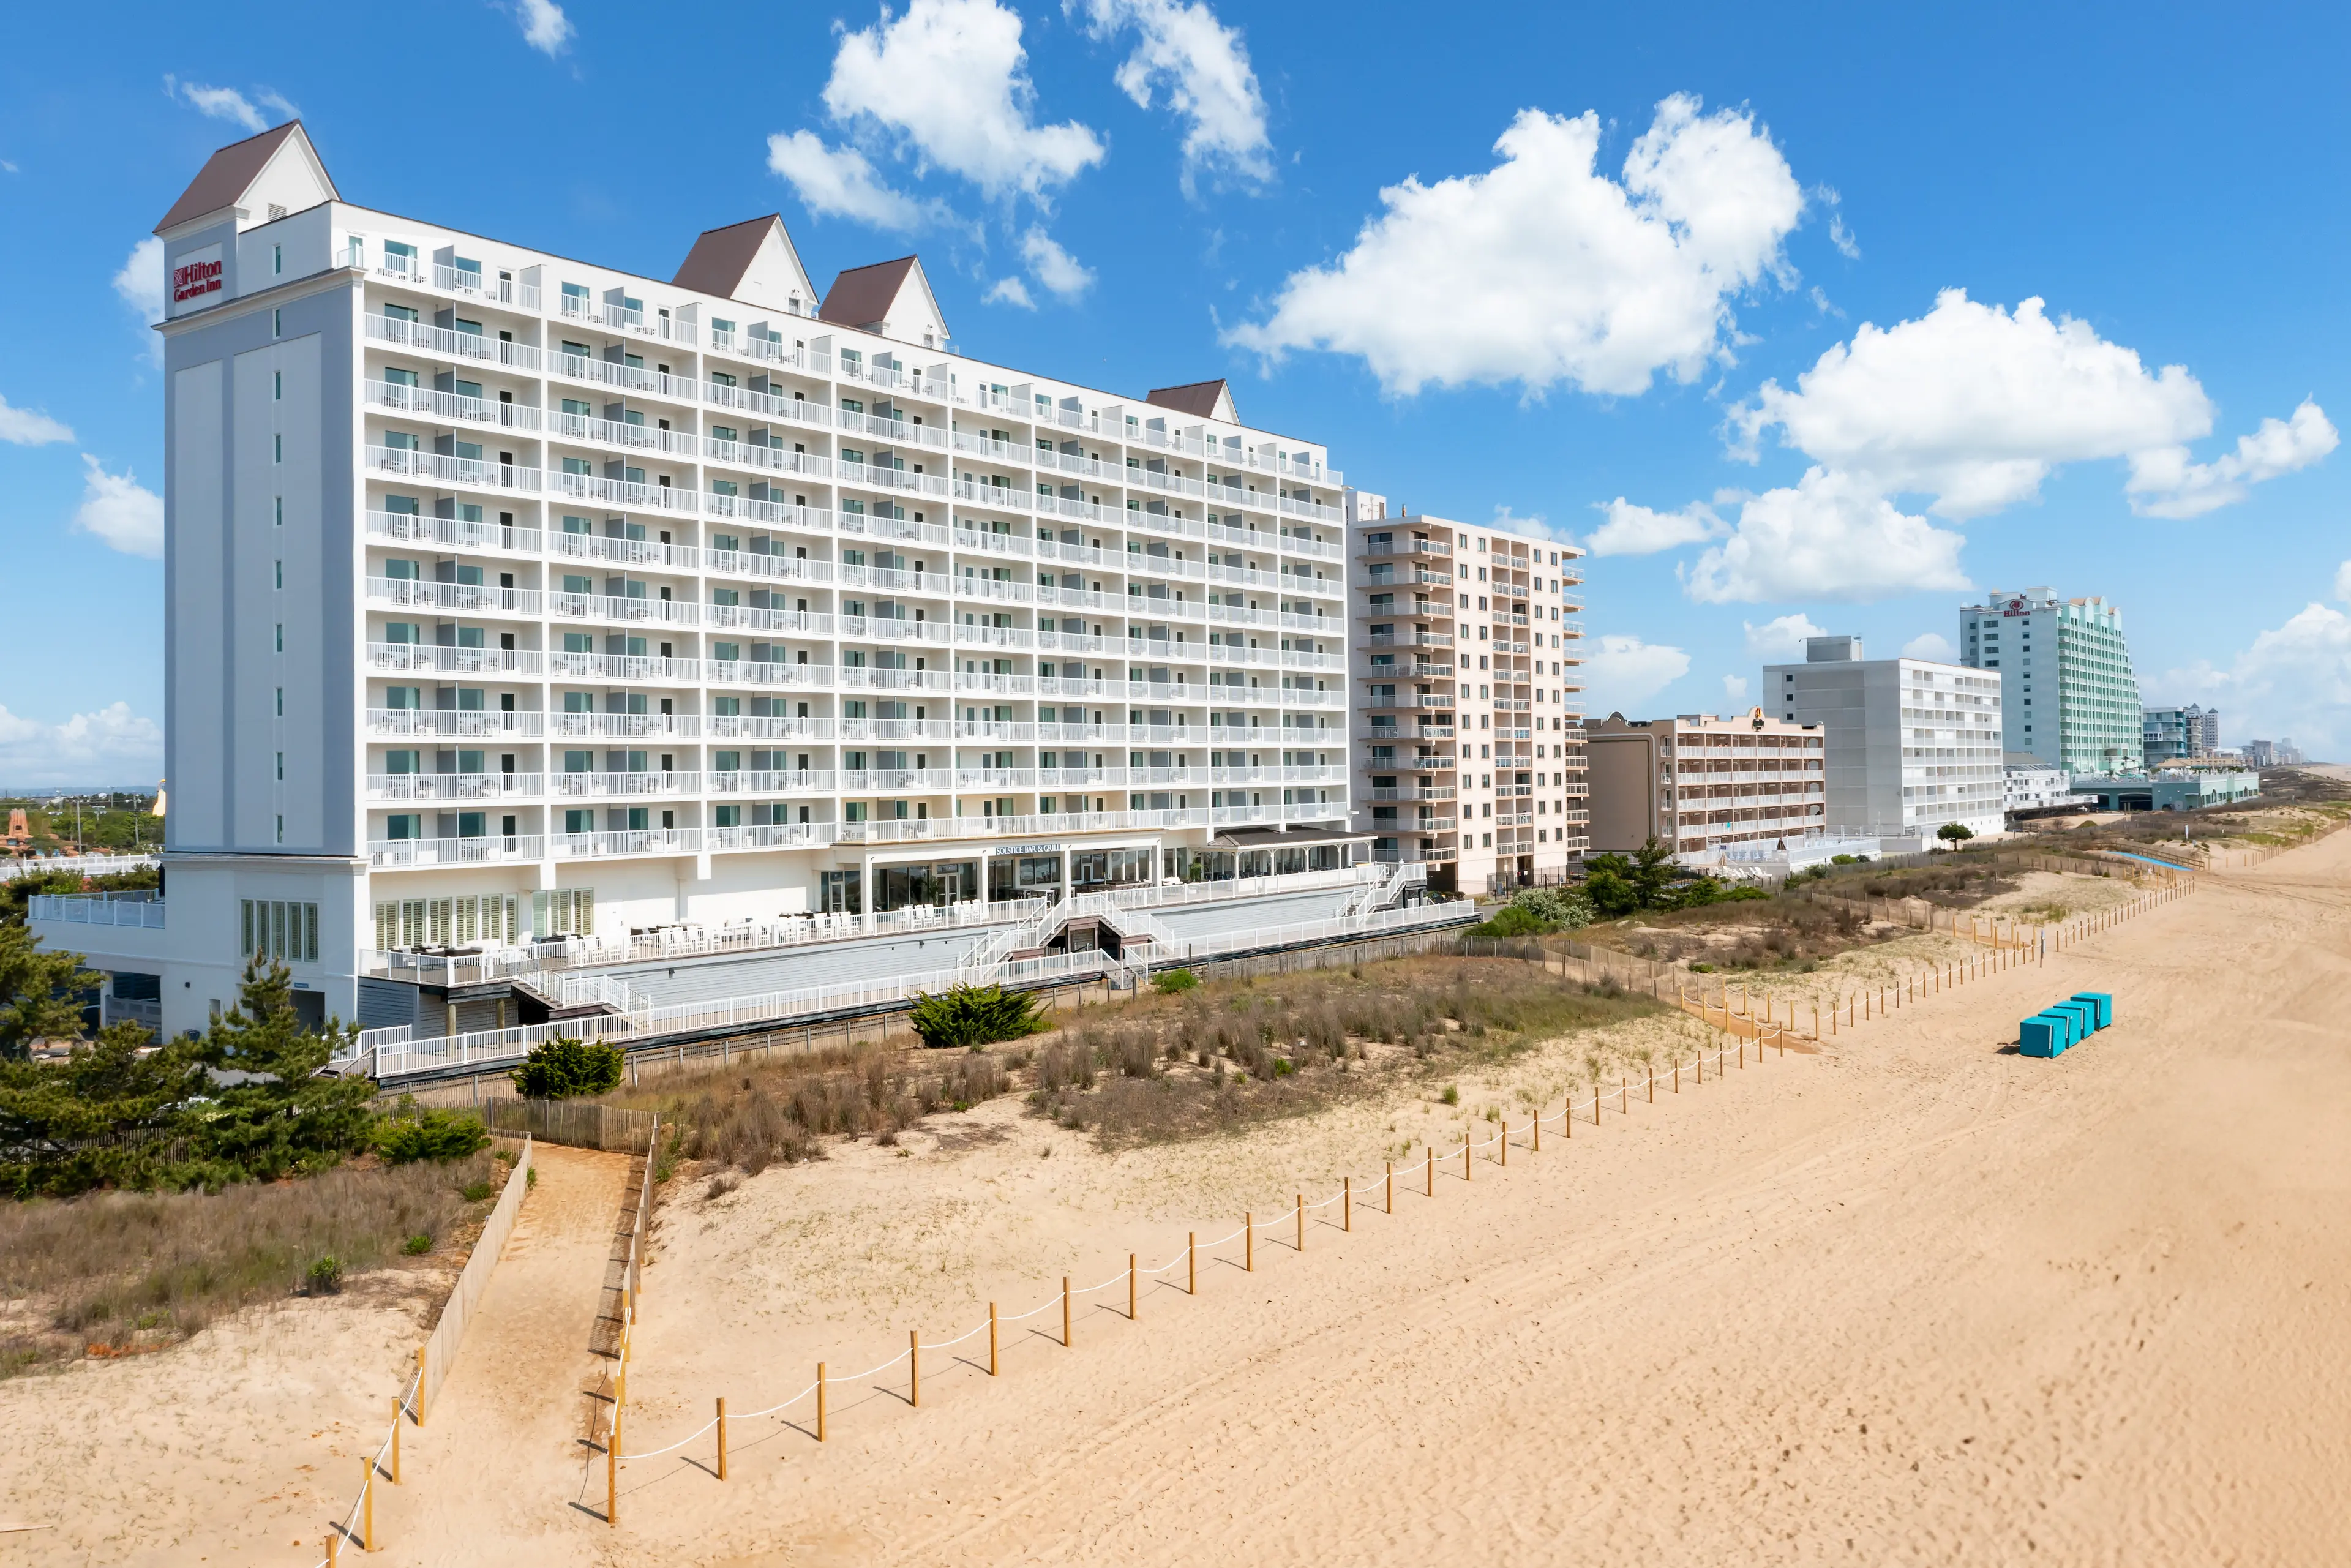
(434, 1359)
(1286, 1228)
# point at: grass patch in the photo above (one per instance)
(1229, 1056)
(113, 1272)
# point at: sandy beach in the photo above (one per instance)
(1912, 1299)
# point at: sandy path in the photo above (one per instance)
(504, 1435)
(1915, 1300)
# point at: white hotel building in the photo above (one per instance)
(510, 596)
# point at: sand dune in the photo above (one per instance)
(1914, 1298)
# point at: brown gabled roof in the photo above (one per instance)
(721, 256)
(1197, 399)
(862, 294)
(228, 173)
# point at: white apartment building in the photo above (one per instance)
(1702, 784)
(1467, 728)
(512, 596)
(1912, 744)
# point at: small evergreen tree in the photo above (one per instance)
(565, 1068)
(1954, 833)
(974, 1015)
(271, 1109)
(36, 989)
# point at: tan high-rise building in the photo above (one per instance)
(1467, 729)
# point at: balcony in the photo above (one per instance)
(614, 786)
(450, 408)
(1396, 792)
(776, 781)
(144, 911)
(1416, 638)
(627, 493)
(567, 545)
(630, 378)
(767, 836)
(453, 532)
(1404, 547)
(625, 842)
(472, 347)
(468, 281)
(636, 436)
(445, 659)
(456, 724)
(624, 667)
(453, 785)
(639, 726)
(624, 609)
(471, 472)
(797, 409)
(410, 592)
(392, 854)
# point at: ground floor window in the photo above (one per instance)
(1018, 876)
(948, 882)
(839, 891)
(1108, 868)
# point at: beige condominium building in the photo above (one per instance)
(1467, 733)
(1701, 784)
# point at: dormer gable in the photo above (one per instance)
(753, 262)
(891, 297)
(1201, 400)
(261, 178)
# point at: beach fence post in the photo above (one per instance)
(1191, 1262)
(334, 1547)
(1465, 1174)
(991, 1339)
(1347, 1203)
(1301, 1221)
(1506, 1142)
(395, 1440)
(721, 1437)
(1248, 1244)
(612, 1470)
(1130, 1287)
(367, 1505)
(820, 1401)
(422, 1351)
(1391, 1185)
(914, 1368)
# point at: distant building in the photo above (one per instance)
(2183, 791)
(1911, 743)
(1700, 783)
(2029, 786)
(2178, 733)
(2084, 717)
(2279, 753)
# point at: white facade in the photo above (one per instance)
(509, 596)
(2030, 784)
(1467, 723)
(1912, 744)
(1703, 784)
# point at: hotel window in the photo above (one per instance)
(273, 929)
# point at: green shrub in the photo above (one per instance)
(1511, 920)
(974, 1015)
(563, 1068)
(1560, 908)
(478, 1191)
(1452, 1094)
(440, 1135)
(417, 1246)
(325, 1276)
(1175, 980)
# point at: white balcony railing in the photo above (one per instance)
(473, 472)
(454, 724)
(451, 407)
(453, 785)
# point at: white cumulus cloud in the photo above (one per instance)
(1828, 537)
(1202, 67)
(2174, 487)
(1734, 690)
(118, 509)
(1622, 673)
(2293, 680)
(2343, 582)
(1534, 524)
(139, 283)
(840, 182)
(25, 428)
(1971, 407)
(947, 82)
(227, 103)
(1054, 267)
(1008, 291)
(1931, 646)
(1545, 270)
(1781, 640)
(545, 27)
(112, 746)
(1638, 531)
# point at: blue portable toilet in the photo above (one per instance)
(2104, 1001)
(2085, 1015)
(2043, 1035)
(2071, 1026)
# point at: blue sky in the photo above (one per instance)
(1757, 328)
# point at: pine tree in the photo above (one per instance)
(271, 1111)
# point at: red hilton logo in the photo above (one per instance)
(195, 278)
